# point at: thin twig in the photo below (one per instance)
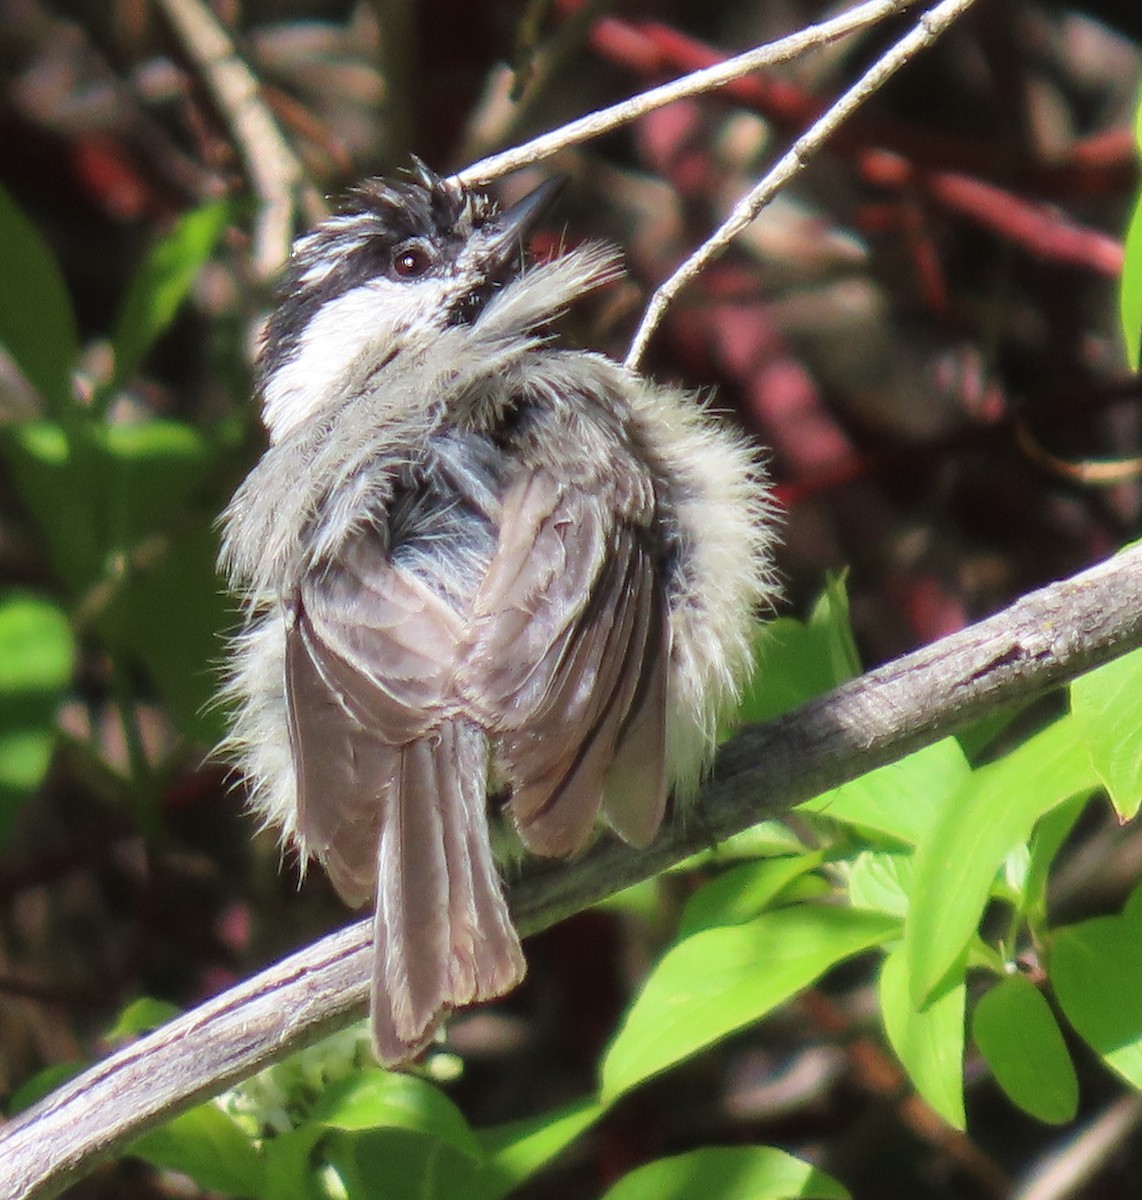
(1082, 1157)
(1040, 642)
(276, 175)
(695, 84)
(928, 27)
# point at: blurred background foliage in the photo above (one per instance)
(923, 329)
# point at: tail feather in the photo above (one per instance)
(442, 933)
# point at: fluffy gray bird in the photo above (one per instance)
(474, 564)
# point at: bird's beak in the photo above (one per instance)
(505, 233)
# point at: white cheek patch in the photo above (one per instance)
(371, 320)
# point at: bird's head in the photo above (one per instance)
(403, 261)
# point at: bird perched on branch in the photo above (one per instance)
(479, 570)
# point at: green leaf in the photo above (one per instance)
(799, 661)
(159, 288)
(979, 826)
(743, 892)
(288, 1165)
(375, 1099)
(37, 655)
(928, 1041)
(37, 325)
(137, 625)
(402, 1164)
(1107, 705)
(831, 617)
(720, 980)
(728, 1173)
(1096, 973)
(516, 1151)
(42, 1084)
(1046, 842)
(1130, 287)
(209, 1146)
(105, 541)
(141, 1016)
(881, 882)
(1017, 1034)
(133, 480)
(901, 799)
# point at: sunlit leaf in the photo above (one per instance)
(141, 1016)
(957, 861)
(519, 1149)
(728, 1173)
(37, 654)
(743, 892)
(797, 661)
(209, 1146)
(928, 1041)
(375, 1099)
(158, 289)
(901, 799)
(1107, 705)
(719, 980)
(881, 882)
(1130, 288)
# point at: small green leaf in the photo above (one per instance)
(799, 661)
(928, 1041)
(209, 1146)
(141, 1016)
(901, 799)
(720, 980)
(1017, 1034)
(1096, 973)
(1107, 705)
(158, 290)
(728, 1173)
(831, 617)
(37, 325)
(957, 861)
(743, 892)
(1130, 287)
(375, 1099)
(37, 654)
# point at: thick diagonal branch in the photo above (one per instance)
(1040, 642)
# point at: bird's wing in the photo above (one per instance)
(566, 665)
(392, 790)
(369, 653)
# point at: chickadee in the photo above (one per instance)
(476, 567)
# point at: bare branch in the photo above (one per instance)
(1040, 642)
(696, 83)
(274, 171)
(929, 26)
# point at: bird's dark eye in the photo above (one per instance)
(409, 262)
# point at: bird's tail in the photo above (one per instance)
(442, 934)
